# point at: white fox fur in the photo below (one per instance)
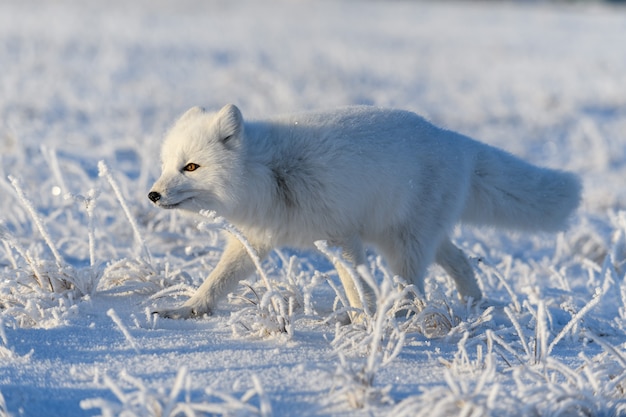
(353, 176)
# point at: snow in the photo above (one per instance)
(88, 88)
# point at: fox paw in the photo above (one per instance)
(183, 312)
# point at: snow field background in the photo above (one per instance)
(87, 91)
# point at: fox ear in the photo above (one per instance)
(230, 122)
(194, 111)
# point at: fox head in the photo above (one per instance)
(202, 162)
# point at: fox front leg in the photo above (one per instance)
(234, 266)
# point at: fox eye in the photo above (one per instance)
(191, 167)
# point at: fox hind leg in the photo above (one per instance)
(407, 256)
(455, 263)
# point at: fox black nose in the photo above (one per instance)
(154, 196)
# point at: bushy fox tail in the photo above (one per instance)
(508, 192)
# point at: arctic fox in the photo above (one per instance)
(353, 176)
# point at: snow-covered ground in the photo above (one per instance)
(87, 90)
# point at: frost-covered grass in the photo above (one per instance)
(88, 88)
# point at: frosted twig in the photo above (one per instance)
(541, 333)
(342, 298)
(117, 391)
(518, 329)
(50, 155)
(103, 171)
(3, 335)
(234, 406)
(505, 284)
(379, 335)
(575, 319)
(265, 407)
(7, 249)
(37, 220)
(143, 401)
(181, 378)
(116, 319)
(90, 204)
(620, 357)
(494, 338)
(3, 406)
(9, 240)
